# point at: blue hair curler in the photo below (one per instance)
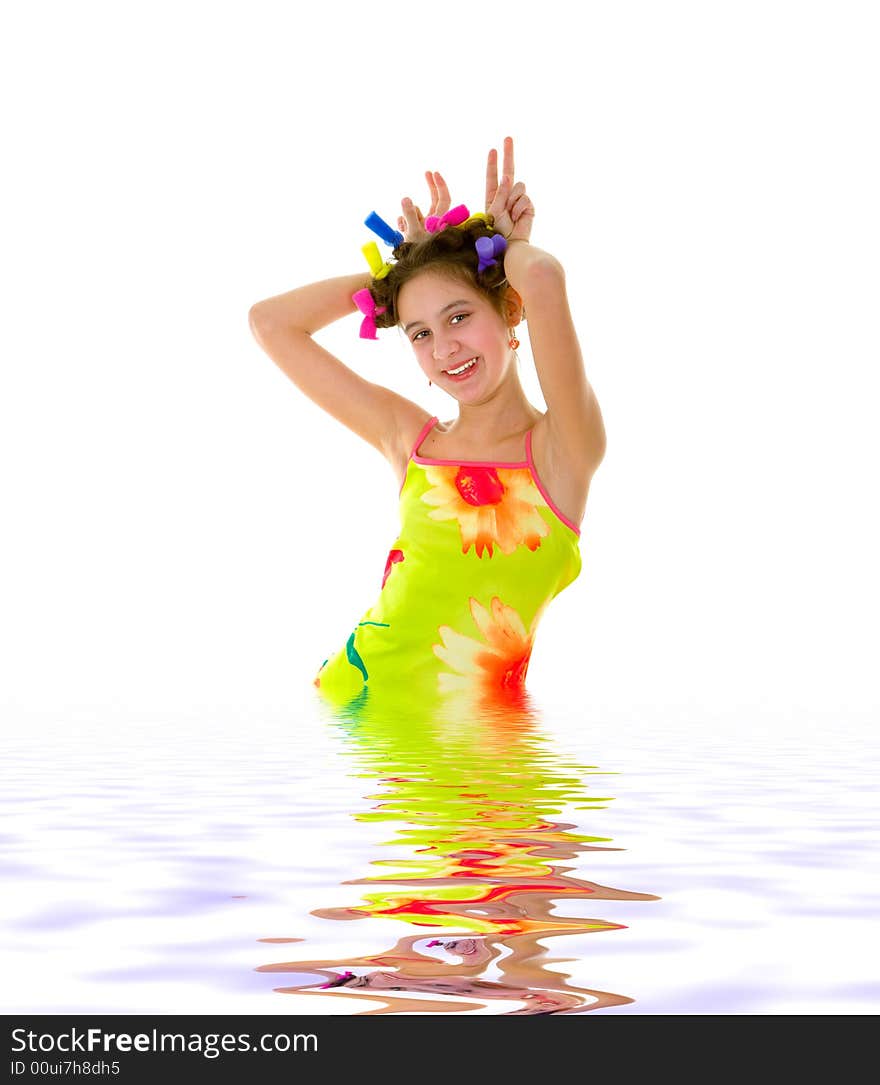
(379, 226)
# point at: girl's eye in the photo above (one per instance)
(419, 335)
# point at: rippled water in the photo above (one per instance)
(536, 862)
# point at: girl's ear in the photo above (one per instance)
(513, 307)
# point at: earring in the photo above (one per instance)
(514, 342)
(430, 383)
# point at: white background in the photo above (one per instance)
(184, 533)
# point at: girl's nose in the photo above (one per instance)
(444, 347)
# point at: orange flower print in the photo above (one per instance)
(494, 506)
(499, 663)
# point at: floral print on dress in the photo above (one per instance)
(478, 555)
(394, 556)
(496, 665)
(494, 506)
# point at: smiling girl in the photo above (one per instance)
(491, 502)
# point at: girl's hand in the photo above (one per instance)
(412, 222)
(510, 207)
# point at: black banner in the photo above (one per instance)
(135, 1048)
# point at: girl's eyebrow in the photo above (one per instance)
(445, 308)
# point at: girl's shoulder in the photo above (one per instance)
(411, 421)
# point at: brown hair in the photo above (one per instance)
(451, 252)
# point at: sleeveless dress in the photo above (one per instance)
(482, 551)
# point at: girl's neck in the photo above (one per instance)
(505, 416)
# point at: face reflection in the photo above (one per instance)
(448, 323)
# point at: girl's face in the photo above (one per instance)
(449, 324)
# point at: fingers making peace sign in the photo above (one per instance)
(510, 207)
(412, 222)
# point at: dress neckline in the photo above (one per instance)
(426, 429)
(527, 464)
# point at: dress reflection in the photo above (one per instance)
(473, 791)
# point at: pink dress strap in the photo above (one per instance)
(542, 489)
(428, 426)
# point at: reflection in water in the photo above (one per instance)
(472, 794)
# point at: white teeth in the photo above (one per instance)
(461, 368)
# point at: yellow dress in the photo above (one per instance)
(482, 551)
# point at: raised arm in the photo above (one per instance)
(575, 420)
(575, 423)
(284, 325)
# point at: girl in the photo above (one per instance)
(491, 501)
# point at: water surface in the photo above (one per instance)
(536, 861)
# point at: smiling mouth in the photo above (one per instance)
(462, 368)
